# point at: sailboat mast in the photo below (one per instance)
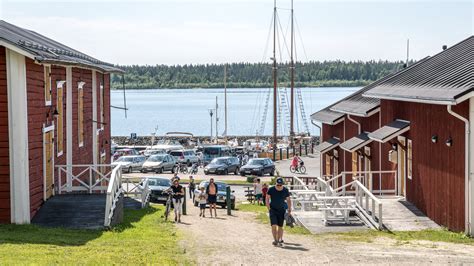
(225, 102)
(292, 77)
(274, 140)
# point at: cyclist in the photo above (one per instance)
(296, 162)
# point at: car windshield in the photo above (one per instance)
(156, 158)
(211, 151)
(176, 153)
(125, 159)
(256, 162)
(159, 182)
(219, 161)
(220, 186)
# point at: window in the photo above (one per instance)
(60, 117)
(409, 160)
(102, 106)
(47, 85)
(80, 110)
(328, 164)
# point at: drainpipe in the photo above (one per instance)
(467, 195)
(320, 155)
(355, 122)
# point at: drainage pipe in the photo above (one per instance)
(466, 180)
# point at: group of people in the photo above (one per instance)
(245, 157)
(206, 196)
(277, 199)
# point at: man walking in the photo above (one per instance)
(211, 192)
(178, 193)
(277, 197)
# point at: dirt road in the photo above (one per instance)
(241, 240)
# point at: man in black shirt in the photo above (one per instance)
(277, 200)
(178, 193)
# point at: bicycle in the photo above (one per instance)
(300, 168)
(182, 168)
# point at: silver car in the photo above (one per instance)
(130, 163)
(185, 156)
(159, 163)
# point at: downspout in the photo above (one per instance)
(466, 180)
(320, 155)
(355, 122)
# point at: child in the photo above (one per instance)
(202, 200)
(264, 192)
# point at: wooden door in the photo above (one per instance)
(367, 168)
(401, 166)
(48, 151)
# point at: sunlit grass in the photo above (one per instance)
(143, 238)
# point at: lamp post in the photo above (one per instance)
(211, 112)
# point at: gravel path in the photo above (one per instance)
(241, 240)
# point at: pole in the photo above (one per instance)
(274, 80)
(228, 201)
(408, 51)
(292, 76)
(217, 120)
(184, 201)
(210, 114)
(225, 102)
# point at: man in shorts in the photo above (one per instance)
(277, 197)
(211, 192)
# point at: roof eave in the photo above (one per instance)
(410, 99)
(109, 69)
(367, 113)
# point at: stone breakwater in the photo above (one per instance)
(146, 140)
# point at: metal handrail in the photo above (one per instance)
(114, 192)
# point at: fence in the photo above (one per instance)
(288, 153)
(83, 177)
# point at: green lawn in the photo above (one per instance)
(143, 238)
(262, 216)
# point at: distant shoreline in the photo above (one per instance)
(334, 84)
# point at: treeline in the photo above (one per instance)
(253, 75)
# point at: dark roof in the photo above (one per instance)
(327, 116)
(45, 50)
(390, 131)
(356, 142)
(441, 79)
(327, 145)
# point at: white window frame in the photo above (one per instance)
(46, 102)
(80, 86)
(60, 84)
(409, 159)
(102, 104)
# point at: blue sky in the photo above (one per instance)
(216, 31)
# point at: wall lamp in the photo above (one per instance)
(449, 142)
(434, 138)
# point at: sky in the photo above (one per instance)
(217, 31)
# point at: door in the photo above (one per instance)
(401, 166)
(48, 153)
(367, 168)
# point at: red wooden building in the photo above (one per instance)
(423, 134)
(55, 110)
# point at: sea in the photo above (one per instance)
(249, 110)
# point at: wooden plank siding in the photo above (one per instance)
(437, 186)
(4, 143)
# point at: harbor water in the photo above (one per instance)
(187, 110)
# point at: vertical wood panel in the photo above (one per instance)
(4, 152)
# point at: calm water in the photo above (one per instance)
(187, 110)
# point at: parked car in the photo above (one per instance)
(159, 163)
(130, 163)
(223, 165)
(221, 194)
(185, 156)
(157, 186)
(258, 166)
(123, 152)
(150, 152)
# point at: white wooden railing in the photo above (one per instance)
(137, 188)
(367, 179)
(83, 177)
(114, 192)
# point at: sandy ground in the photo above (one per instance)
(241, 240)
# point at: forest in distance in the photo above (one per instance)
(254, 75)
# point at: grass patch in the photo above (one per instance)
(143, 238)
(262, 217)
(403, 237)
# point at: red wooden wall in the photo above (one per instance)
(437, 186)
(4, 152)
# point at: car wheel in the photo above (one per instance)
(188, 163)
(236, 172)
(226, 172)
(129, 169)
(272, 173)
(242, 174)
(260, 173)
